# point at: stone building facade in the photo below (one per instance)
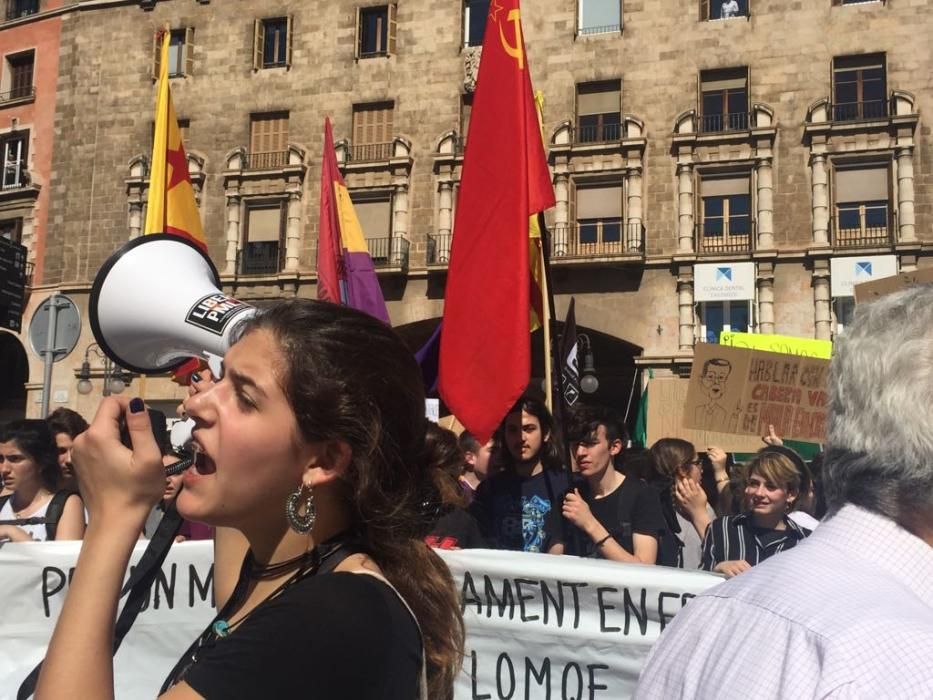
(710, 172)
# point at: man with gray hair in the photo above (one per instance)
(848, 613)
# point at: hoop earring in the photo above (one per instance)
(301, 524)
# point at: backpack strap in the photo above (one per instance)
(54, 513)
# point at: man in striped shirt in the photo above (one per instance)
(849, 613)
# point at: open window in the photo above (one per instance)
(375, 31)
(272, 42)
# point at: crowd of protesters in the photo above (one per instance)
(669, 505)
(40, 498)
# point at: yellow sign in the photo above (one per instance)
(784, 344)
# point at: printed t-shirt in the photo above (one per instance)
(511, 510)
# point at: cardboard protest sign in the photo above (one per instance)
(785, 344)
(666, 399)
(734, 390)
(867, 291)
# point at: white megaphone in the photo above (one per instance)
(157, 302)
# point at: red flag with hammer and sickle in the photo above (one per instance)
(485, 356)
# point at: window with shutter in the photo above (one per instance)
(263, 238)
(374, 33)
(724, 100)
(372, 131)
(599, 112)
(268, 140)
(862, 202)
(599, 16)
(859, 87)
(725, 213)
(20, 68)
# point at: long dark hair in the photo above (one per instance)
(33, 437)
(551, 454)
(349, 377)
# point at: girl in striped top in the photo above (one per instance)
(735, 543)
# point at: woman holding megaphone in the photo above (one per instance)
(311, 461)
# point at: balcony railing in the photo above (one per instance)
(265, 161)
(604, 29)
(725, 238)
(609, 238)
(368, 152)
(19, 93)
(21, 8)
(855, 111)
(388, 252)
(862, 236)
(15, 176)
(604, 133)
(439, 248)
(260, 258)
(719, 123)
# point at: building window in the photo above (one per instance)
(724, 100)
(268, 140)
(263, 238)
(599, 16)
(862, 203)
(272, 42)
(719, 316)
(723, 9)
(856, 2)
(599, 112)
(12, 229)
(597, 212)
(474, 21)
(21, 8)
(859, 87)
(180, 53)
(17, 80)
(372, 131)
(466, 110)
(725, 222)
(844, 311)
(14, 161)
(375, 31)
(374, 211)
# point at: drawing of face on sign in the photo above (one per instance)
(713, 379)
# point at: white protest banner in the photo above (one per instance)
(542, 626)
(538, 626)
(34, 579)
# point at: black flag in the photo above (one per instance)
(569, 367)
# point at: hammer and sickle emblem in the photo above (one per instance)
(516, 50)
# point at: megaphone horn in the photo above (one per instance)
(157, 302)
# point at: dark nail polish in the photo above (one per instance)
(196, 377)
(137, 405)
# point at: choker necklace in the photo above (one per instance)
(267, 571)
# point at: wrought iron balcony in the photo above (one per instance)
(604, 29)
(721, 123)
(25, 92)
(369, 152)
(725, 237)
(260, 258)
(439, 248)
(388, 252)
(862, 236)
(601, 133)
(267, 160)
(856, 111)
(603, 239)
